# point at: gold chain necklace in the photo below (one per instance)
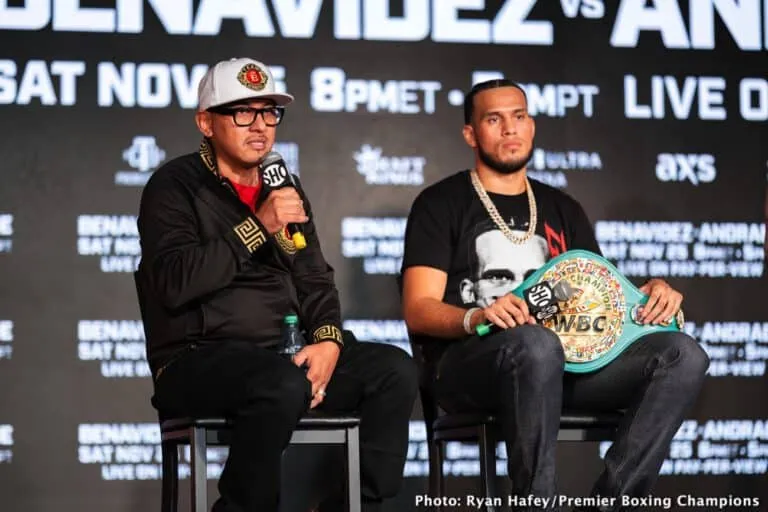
(496, 216)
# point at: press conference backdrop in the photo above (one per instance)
(653, 114)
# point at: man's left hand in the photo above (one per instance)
(321, 359)
(663, 302)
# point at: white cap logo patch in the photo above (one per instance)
(252, 77)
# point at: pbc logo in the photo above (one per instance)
(144, 153)
(275, 175)
(696, 168)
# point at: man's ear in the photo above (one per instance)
(204, 122)
(469, 135)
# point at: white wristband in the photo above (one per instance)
(468, 319)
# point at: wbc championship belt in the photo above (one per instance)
(591, 307)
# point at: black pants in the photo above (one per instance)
(266, 395)
(518, 374)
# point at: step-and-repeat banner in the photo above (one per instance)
(653, 114)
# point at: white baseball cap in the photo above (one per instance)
(236, 80)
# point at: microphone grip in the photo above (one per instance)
(489, 328)
(539, 314)
(275, 175)
(297, 236)
(544, 309)
(485, 329)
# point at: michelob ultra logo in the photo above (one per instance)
(591, 321)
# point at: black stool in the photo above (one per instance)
(200, 433)
(483, 429)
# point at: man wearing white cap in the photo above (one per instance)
(219, 274)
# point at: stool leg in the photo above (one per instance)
(487, 464)
(436, 480)
(353, 469)
(170, 487)
(199, 464)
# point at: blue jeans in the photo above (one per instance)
(518, 375)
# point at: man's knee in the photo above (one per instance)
(400, 368)
(404, 368)
(534, 346)
(693, 361)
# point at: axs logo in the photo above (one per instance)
(696, 168)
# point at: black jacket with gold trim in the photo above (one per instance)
(210, 271)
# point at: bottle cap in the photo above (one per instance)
(291, 319)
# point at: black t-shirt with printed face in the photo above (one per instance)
(449, 229)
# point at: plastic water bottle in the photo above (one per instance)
(293, 341)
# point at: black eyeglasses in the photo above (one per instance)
(246, 116)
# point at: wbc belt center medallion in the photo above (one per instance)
(592, 320)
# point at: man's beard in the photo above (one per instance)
(504, 167)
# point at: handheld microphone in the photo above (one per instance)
(542, 300)
(275, 175)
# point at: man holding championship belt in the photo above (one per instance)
(474, 242)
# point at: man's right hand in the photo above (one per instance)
(281, 207)
(508, 311)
